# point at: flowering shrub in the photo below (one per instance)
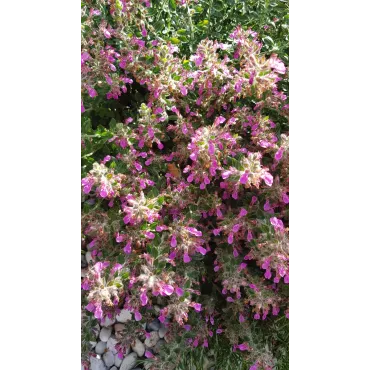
(185, 186)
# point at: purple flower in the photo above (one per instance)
(82, 107)
(244, 178)
(173, 241)
(187, 327)
(216, 231)
(149, 354)
(243, 346)
(267, 177)
(279, 154)
(168, 289)
(179, 291)
(194, 231)
(187, 259)
(127, 248)
(149, 235)
(236, 228)
(197, 307)
(243, 213)
(230, 238)
(201, 250)
(98, 312)
(138, 316)
(143, 298)
(241, 318)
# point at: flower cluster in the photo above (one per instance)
(186, 199)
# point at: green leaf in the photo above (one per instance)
(172, 4)
(175, 40)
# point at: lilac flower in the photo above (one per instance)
(173, 241)
(244, 178)
(148, 354)
(243, 212)
(230, 238)
(179, 291)
(216, 231)
(187, 327)
(267, 177)
(143, 299)
(241, 318)
(127, 248)
(197, 307)
(138, 316)
(285, 198)
(201, 250)
(236, 228)
(168, 289)
(149, 235)
(98, 312)
(279, 154)
(243, 346)
(194, 231)
(187, 259)
(219, 331)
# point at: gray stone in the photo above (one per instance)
(162, 331)
(113, 368)
(138, 347)
(154, 325)
(108, 358)
(124, 316)
(83, 261)
(112, 341)
(152, 341)
(157, 309)
(97, 364)
(129, 362)
(105, 333)
(100, 348)
(107, 322)
(117, 360)
(158, 345)
(88, 257)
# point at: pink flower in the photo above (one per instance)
(127, 248)
(168, 289)
(285, 198)
(179, 291)
(235, 253)
(236, 228)
(190, 178)
(149, 235)
(201, 250)
(119, 238)
(243, 213)
(144, 31)
(230, 238)
(244, 178)
(241, 318)
(138, 316)
(249, 236)
(219, 331)
(211, 149)
(173, 241)
(143, 298)
(267, 177)
(82, 107)
(216, 231)
(187, 259)
(279, 154)
(98, 312)
(149, 354)
(243, 346)
(194, 231)
(197, 307)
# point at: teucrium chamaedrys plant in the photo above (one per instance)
(185, 183)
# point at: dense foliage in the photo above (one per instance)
(185, 185)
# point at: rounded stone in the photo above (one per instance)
(138, 347)
(152, 340)
(129, 362)
(124, 316)
(97, 364)
(105, 333)
(100, 348)
(108, 358)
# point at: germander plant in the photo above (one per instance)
(185, 186)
